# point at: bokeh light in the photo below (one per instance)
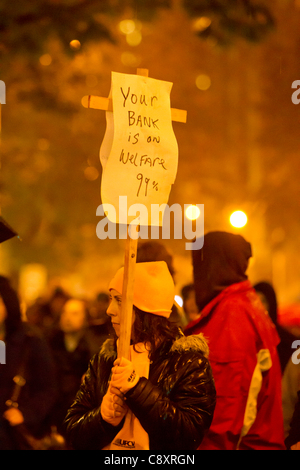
(203, 82)
(134, 38)
(45, 59)
(75, 44)
(91, 173)
(238, 219)
(127, 26)
(192, 212)
(202, 23)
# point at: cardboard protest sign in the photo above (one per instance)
(139, 152)
(139, 156)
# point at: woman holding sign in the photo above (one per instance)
(164, 397)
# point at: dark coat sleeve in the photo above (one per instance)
(177, 412)
(85, 427)
(294, 434)
(40, 390)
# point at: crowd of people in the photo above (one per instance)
(61, 335)
(216, 374)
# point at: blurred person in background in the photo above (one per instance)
(292, 440)
(45, 313)
(243, 348)
(268, 298)
(189, 303)
(24, 347)
(71, 351)
(100, 327)
(290, 397)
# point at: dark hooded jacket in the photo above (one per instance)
(221, 262)
(175, 405)
(242, 341)
(39, 392)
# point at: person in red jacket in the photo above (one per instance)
(242, 341)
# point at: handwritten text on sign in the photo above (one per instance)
(139, 152)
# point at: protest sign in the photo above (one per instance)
(139, 153)
(139, 156)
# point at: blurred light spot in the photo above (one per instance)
(127, 26)
(45, 59)
(75, 44)
(202, 23)
(130, 60)
(178, 300)
(203, 82)
(43, 144)
(91, 173)
(238, 219)
(91, 80)
(192, 212)
(134, 38)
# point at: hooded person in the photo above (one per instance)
(39, 391)
(164, 396)
(242, 341)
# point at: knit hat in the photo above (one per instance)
(154, 288)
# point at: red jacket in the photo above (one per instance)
(242, 341)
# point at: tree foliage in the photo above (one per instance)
(25, 26)
(232, 18)
(245, 123)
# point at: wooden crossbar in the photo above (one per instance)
(105, 104)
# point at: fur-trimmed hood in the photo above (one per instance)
(194, 343)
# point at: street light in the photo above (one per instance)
(238, 219)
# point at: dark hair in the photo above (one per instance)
(152, 329)
(12, 305)
(268, 291)
(154, 251)
(186, 290)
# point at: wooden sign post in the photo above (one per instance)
(131, 181)
(127, 297)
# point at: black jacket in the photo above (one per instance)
(24, 345)
(39, 393)
(294, 433)
(175, 405)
